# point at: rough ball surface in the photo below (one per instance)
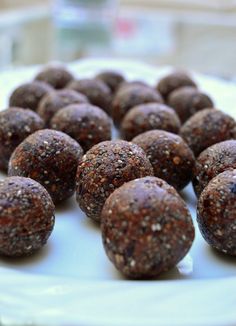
(131, 96)
(29, 95)
(145, 117)
(207, 128)
(57, 77)
(87, 124)
(112, 79)
(26, 216)
(216, 213)
(51, 158)
(211, 162)
(173, 81)
(186, 101)
(57, 100)
(146, 228)
(104, 168)
(171, 158)
(15, 125)
(98, 93)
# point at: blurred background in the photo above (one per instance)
(195, 34)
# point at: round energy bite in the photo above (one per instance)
(112, 79)
(207, 128)
(146, 228)
(173, 81)
(149, 116)
(55, 101)
(216, 213)
(186, 101)
(129, 97)
(97, 92)
(29, 95)
(211, 162)
(26, 216)
(171, 158)
(87, 124)
(15, 125)
(57, 76)
(105, 167)
(51, 158)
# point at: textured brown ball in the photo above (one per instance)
(51, 158)
(15, 125)
(207, 128)
(57, 77)
(171, 158)
(112, 79)
(149, 116)
(26, 216)
(29, 95)
(216, 213)
(129, 97)
(55, 101)
(98, 93)
(211, 162)
(104, 168)
(87, 124)
(173, 81)
(186, 101)
(146, 228)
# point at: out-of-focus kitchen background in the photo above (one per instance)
(195, 34)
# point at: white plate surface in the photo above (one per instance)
(71, 281)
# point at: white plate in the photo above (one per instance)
(71, 281)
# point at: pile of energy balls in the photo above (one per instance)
(55, 140)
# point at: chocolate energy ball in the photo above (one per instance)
(26, 216)
(15, 125)
(87, 124)
(173, 81)
(213, 161)
(186, 101)
(51, 158)
(105, 167)
(29, 95)
(129, 97)
(146, 228)
(207, 128)
(149, 116)
(216, 213)
(55, 101)
(112, 79)
(57, 77)
(171, 158)
(97, 92)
